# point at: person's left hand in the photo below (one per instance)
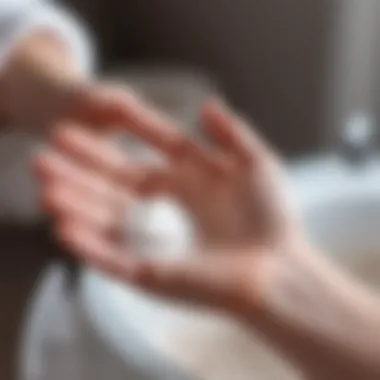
(234, 191)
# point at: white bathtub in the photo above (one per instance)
(341, 207)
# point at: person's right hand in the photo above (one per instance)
(41, 86)
(233, 190)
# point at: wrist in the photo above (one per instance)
(38, 81)
(267, 272)
(318, 317)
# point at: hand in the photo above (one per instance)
(40, 85)
(233, 190)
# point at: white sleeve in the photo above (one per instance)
(19, 18)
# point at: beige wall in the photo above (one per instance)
(269, 55)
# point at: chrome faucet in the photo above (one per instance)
(357, 139)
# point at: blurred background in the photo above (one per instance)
(301, 69)
(269, 57)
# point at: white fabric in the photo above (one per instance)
(19, 18)
(48, 347)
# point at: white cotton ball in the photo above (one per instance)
(159, 229)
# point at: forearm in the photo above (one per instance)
(321, 320)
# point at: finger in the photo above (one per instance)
(67, 202)
(89, 148)
(95, 249)
(96, 153)
(233, 134)
(130, 112)
(149, 124)
(160, 131)
(99, 106)
(210, 160)
(122, 109)
(53, 166)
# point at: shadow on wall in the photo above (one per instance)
(268, 55)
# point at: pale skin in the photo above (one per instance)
(40, 85)
(253, 259)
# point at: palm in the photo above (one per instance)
(229, 190)
(230, 203)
